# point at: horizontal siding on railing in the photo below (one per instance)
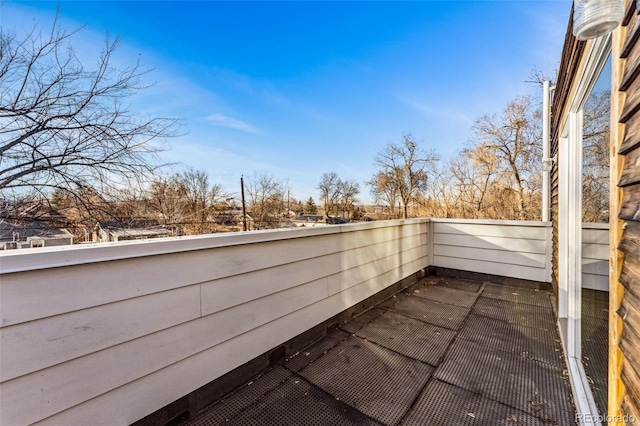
(595, 256)
(515, 249)
(106, 334)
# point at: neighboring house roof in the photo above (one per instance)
(130, 224)
(32, 212)
(27, 230)
(129, 232)
(337, 220)
(309, 218)
(133, 229)
(229, 215)
(316, 219)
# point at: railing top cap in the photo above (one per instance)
(51, 257)
(499, 222)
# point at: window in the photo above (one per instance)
(583, 175)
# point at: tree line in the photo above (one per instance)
(498, 174)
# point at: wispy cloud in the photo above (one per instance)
(431, 111)
(220, 120)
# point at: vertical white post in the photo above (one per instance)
(430, 242)
(574, 231)
(546, 161)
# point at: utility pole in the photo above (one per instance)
(244, 208)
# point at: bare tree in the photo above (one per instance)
(338, 195)
(538, 77)
(475, 172)
(329, 187)
(185, 201)
(348, 191)
(85, 206)
(513, 138)
(383, 189)
(128, 204)
(267, 197)
(166, 200)
(441, 199)
(407, 167)
(65, 126)
(595, 160)
(199, 200)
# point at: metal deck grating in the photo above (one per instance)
(594, 308)
(391, 301)
(376, 381)
(240, 399)
(502, 368)
(294, 403)
(458, 283)
(310, 354)
(595, 349)
(595, 358)
(410, 337)
(527, 315)
(530, 342)
(530, 386)
(517, 295)
(440, 314)
(355, 324)
(443, 404)
(451, 296)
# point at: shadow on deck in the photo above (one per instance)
(443, 351)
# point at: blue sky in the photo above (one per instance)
(295, 89)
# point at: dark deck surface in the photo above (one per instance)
(443, 352)
(595, 343)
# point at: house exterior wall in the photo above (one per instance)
(65, 239)
(58, 242)
(100, 235)
(624, 335)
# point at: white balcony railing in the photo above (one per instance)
(516, 249)
(109, 333)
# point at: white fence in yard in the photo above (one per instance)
(109, 333)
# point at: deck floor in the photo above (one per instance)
(444, 351)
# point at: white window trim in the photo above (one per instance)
(570, 228)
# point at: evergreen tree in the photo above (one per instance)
(310, 207)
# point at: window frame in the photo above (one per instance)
(570, 144)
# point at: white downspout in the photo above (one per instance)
(546, 161)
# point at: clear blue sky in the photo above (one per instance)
(295, 89)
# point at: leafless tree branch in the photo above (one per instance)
(65, 126)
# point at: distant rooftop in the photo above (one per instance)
(11, 230)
